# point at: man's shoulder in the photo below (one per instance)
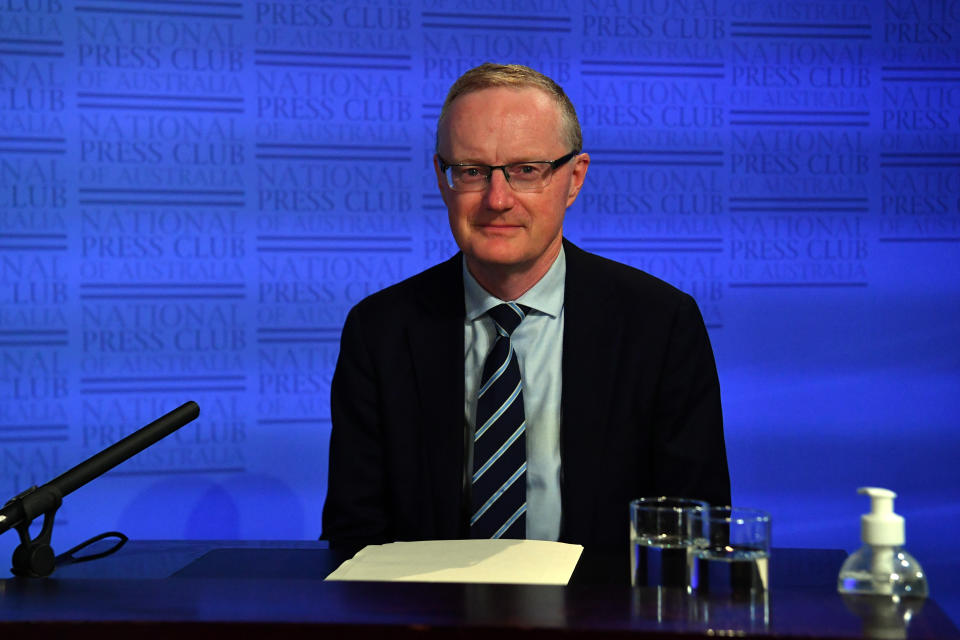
(430, 287)
(609, 278)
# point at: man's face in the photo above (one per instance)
(501, 230)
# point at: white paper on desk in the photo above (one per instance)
(491, 561)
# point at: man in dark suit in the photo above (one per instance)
(619, 395)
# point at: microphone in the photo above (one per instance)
(35, 557)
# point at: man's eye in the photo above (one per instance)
(468, 174)
(524, 170)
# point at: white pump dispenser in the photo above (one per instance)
(881, 566)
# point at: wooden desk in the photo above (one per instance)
(243, 590)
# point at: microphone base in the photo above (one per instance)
(34, 558)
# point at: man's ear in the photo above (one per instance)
(436, 168)
(580, 165)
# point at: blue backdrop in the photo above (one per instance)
(194, 193)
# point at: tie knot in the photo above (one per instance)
(508, 315)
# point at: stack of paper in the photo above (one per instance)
(490, 561)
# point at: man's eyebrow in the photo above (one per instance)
(521, 160)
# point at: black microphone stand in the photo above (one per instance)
(34, 557)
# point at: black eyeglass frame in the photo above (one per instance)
(559, 162)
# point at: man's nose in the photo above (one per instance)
(499, 195)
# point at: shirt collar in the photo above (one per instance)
(546, 296)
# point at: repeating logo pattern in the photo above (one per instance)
(193, 195)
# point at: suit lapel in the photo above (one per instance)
(436, 347)
(591, 337)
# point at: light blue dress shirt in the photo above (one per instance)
(538, 341)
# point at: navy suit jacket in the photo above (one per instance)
(640, 407)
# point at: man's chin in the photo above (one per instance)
(496, 249)
(500, 259)
(506, 255)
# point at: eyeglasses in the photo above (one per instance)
(522, 176)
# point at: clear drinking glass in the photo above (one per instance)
(663, 533)
(733, 556)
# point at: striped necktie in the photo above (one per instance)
(499, 503)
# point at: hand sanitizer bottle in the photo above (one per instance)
(882, 566)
